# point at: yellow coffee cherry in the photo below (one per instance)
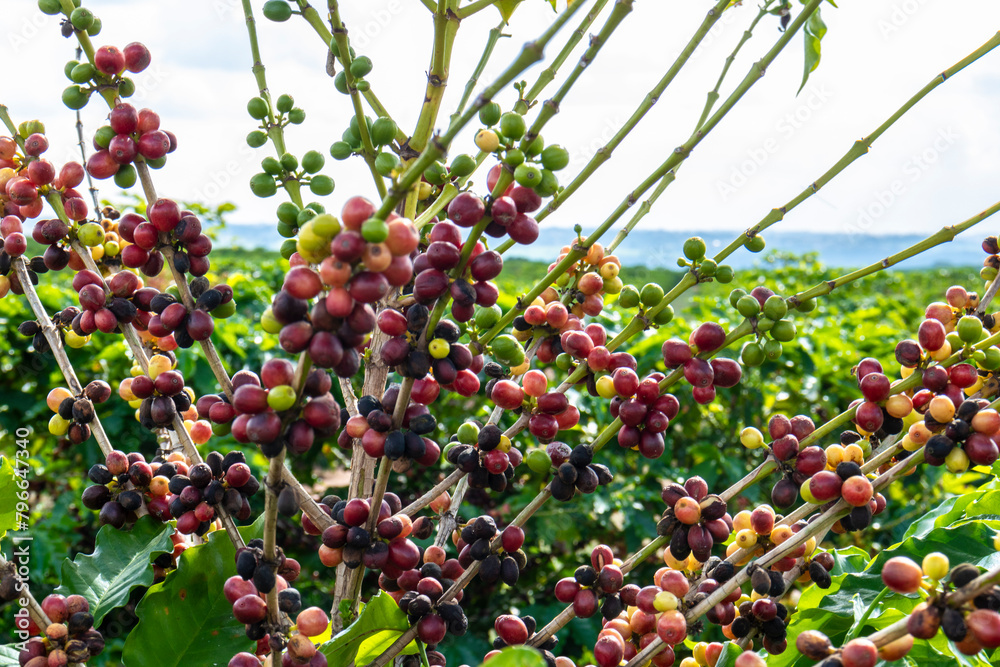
(521, 369)
(487, 141)
(957, 460)
(698, 653)
(941, 409)
(746, 538)
(75, 341)
(834, 455)
(439, 348)
(943, 353)
(56, 397)
(751, 438)
(853, 452)
(935, 565)
(58, 425)
(741, 521)
(505, 444)
(606, 387)
(780, 534)
(665, 601)
(158, 364)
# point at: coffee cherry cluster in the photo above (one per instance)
(514, 630)
(167, 226)
(388, 548)
(601, 580)
(162, 393)
(644, 412)
(444, 252)
(694, 519)
(503, 563)
(765, 310)
(850, 483)
(26, 180)
(956, 438)
(485, 454)
(373, 425)
(70, 638)
(130, 135)
(172, 318)
(764, 615)
(74, 414)
(450, 363)
(550, 411)
(263, 405)
(644, 299)
(797, 466)
(109, 63)
(13, 245)
(575, 471)
(703, 376)
(418, 591)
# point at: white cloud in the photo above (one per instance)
(875, 55)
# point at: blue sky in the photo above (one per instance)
(938, 165)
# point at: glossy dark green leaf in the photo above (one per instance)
(122, 560)
(813, 32)
(380, 615)
(518, 656)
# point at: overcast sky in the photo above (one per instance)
(938, 165)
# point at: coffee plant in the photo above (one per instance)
(389, 310)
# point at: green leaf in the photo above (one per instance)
(122, 560)
(8, 496)
(380, 615)
(518, 656)
(730, 651)
(9, 654)
(813, 31)
(185, 619)
(507, 8)
(376, 644)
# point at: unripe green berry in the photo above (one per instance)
(969, 329)
(555, 157)
(783, 331)
(277, 10)
(374, 230)
(528, 175)
(313, 161)
(651, 295)
(764, 324)
(724, 274)
(775, 307)
(538, 461)
(289, 162)
(468, 433)
(285, 103)
(288, 248)
(361, 66)
(664, 316)
(81, 18)
(257, 108)
(385, 162)
(340, 150)
(512, 125)
(736, 295)
(752, 354)
(126, 176)
(383, 131)
(321, 185)
(489, 115)
(694, 248)
(296, 116)
(772, 349)
(463, 165)
(256, 139)
(263, 185)
(748, 306)
(755, 244)
(707, 267)
(629, 297)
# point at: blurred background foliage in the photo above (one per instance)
(813, 377)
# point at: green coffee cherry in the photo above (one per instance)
(468, 433)
(288, 162)
(489, 115)
(287, 212)
(512, 125)
(285, 103)
(694, 248)
(271, 166)
(362, 86)
(313, 161)
(514, 157)
(806, 306)
(75, 97)
(748, 306)
(263, 185)
(90, 234)
(326, 226)
(724, 274)
(257, 108)
(651, 295)
(549, 185)
(486, 318)
(992, 361)
(772, 350)
(969, 329)
(316, 206)
(954, 340)
(629, 297)
(528, 175)
(736, 295)
(436, 173)
(256, 139)
(83, 73)
(755, 244)
(383, 131)
(775, 307)
(286, 230)
(126, 176)
(361, 66)
(664, 316)
(68, 69)
(81, 18)
(340, 150)
(352, 138)
(564, 361)
(463, 165)
(95, 28)
(277, 10)
(707, 267)
(50, 7)
(555, 157)
(103, 136)
(987, 273)
(288, 248)
(304, 216)
(157, 163)
(340, 83)
(507, 350)
(536, 146)
(385, 162)
(752, 354)
(374, 230)
(783, 331)
(538, 461)
(126, 87)
(296, 116)
(321, 185)
(764, 324)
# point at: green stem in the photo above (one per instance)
(491, 41)
(549, 73)
(713, 95)
(531, 53)
(445, 28)
(344, 55)
(474, 7)
(550, 107)
(853, 632)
